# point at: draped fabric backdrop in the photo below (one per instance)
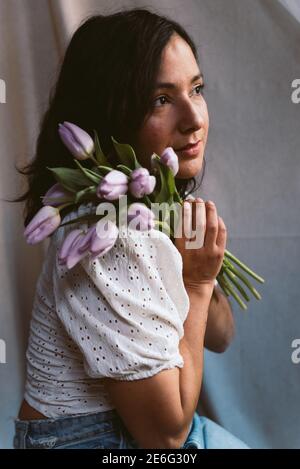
(249, 53)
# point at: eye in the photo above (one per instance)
(157, 99)
(197, 87)
(200, 88)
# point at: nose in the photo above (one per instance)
(191, 116)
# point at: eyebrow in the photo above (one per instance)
(173, 85)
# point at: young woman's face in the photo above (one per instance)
(179, 114)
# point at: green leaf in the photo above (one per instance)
(60, 200)
(100, 157)
(126, 154)
(104, 170)
(90, 217)
(124, 169)
(91, 175)
(85, 194)
(71, 179)
(167, 185)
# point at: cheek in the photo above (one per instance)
(155, 135)
(206, 115)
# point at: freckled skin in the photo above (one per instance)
(180, 116)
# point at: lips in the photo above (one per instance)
(191, 152)
(187, 147)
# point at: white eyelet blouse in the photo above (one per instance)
(119, 316)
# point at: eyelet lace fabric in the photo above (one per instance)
(118, 316)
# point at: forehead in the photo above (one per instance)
(177, 61)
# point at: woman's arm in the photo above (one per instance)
(220, 327)
(158, 411)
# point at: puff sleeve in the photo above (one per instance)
(125, 310)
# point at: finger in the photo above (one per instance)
(182, 224)
(222, 234)
(193, 226)
(178, 229)
(211, 225)
(200, 218)
(187, 220)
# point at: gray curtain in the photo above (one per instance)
(249, 53)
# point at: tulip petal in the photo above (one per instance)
(141, 216)
(86, 240)
(116, 177)
(43, 230)
(67, 244)
(104, 237)
(74, 255)
(170, 159)
(57, 191)
(41, 216)
(78, 142)
(113, 185)
(82, 138)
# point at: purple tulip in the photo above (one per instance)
(57, 195)
(98, 240)
(114, 184)
(143, 217)
(76, 140)
(104, 237)
(45, 222)
(86, 240)
(72, 251)
(141, 183)
(65, 249)
(170, 159)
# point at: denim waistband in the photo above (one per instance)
(49, 425)
(66, 426)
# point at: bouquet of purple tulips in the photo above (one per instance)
(106, 186)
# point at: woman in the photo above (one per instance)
(110, 366)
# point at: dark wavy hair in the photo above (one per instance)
(105, 83)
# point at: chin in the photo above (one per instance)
(189, 169)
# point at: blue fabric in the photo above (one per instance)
(106, 430)
(206, 434)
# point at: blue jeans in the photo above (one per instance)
(106, 430)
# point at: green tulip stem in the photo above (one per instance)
(243, 278)
(244, 266)
(60, 207)
(232, 292)
(148, 201)
(94, 160)
(220, 278)
(232, 277)
(164, 224)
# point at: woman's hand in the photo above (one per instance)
(202, 254)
